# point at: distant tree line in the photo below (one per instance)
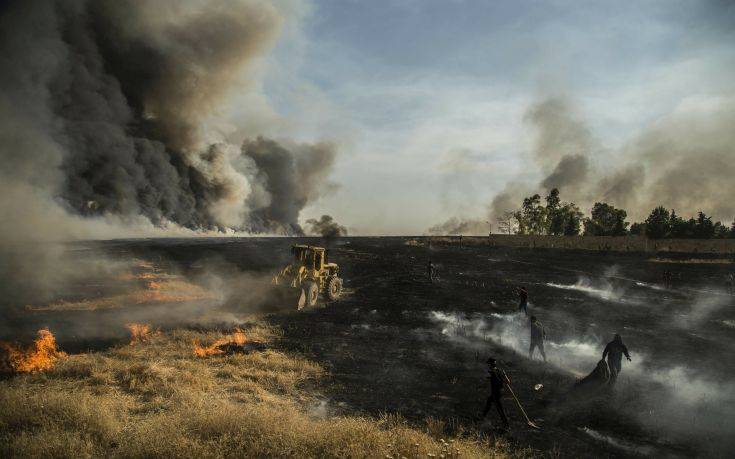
(664, 224)
(565, 219)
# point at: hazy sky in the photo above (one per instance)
(426, 98)
(405, 86)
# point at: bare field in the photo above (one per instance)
(393, 368)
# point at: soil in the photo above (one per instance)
(396, 342)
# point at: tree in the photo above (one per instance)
(732, 230)
(606, 220)
(553, 202)
(680, 228)
(532, 216)
(572, 218)
(704, 228)
(658, 223)
(554, 217)
(638, 229)
(721, 231)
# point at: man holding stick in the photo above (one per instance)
(497, 382)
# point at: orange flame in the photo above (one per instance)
(41, 356)
(139, 333)
(237, 338)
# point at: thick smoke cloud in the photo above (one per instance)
(561, 145)
(561, 148)
(622, 186)
(689, 159)
(289, 178)
(326, 227)
(508, 200)
(106, 107)
(108, 111)
(685, 161)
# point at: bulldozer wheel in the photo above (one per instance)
(311, 291)
(334, 288)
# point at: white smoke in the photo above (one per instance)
(618, 443)
(604, 292)
(675, 400)
(701, 310)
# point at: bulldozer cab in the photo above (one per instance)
(309, 257)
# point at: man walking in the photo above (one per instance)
(538, 336)
(614, 352)
(497, 382)
(431, 271)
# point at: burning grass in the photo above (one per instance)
(140, 333)
(236, 342)
(40, 356)
(162, 400)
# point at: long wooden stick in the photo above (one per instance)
(528, 421)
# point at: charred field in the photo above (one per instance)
(394, 367)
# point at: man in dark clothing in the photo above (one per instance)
(497, 382)
(431, 271)
(614, 352)
(523, 297)
(538, 335)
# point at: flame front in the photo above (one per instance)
(139, 333)
(237, 338)
(41, 356)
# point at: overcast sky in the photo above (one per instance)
(426, 98)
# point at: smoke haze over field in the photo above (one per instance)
(459, 226)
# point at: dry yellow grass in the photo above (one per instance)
(159, 400)
(693, 261)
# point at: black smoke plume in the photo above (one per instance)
(326, 227)
(108, 128)
(290, 177)
(106, 107)
(562, 143)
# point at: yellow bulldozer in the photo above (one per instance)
(310, 274)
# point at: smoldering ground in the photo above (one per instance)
(672, 399)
